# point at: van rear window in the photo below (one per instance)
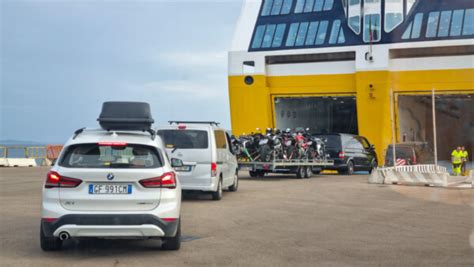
(332, 141)
(111, 156)
(185, 139)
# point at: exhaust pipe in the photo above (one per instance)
(63, 236)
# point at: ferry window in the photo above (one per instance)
(257, 39)
(432, 25)
(308, 7)
(468, 27)
(406, 34)
(372, 28)
(280, 30)
(267, 6)
(276, 7)
(336, 25)
(267, 38)
(299, 6)
(456, 23)
(323, 27)
(342, 38)
(290, 40)
(328, 5)
(301, 34)
(285, 9)
(318, 5)
(417, 26)
(444, 23)
(392, 20)
(312, 30)
(354, 24)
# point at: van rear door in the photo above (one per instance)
(193, 147)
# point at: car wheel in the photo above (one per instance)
(218, 194)
(308, 172)
(350, 168)
(253, 174)
(260, 174)
(172, 243)
(235, 185)
(49, 243)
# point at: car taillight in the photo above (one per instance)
(341, 155)
(181, 127)
(213, 169)
(53, 179)
(167, 180)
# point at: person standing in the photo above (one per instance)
(456, 159)
(464, 160)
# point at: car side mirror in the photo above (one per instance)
(176, 163)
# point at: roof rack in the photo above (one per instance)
(195, 122)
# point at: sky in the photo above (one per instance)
(60, 60)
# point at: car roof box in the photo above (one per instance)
(129, 116)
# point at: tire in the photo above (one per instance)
(218, 194)
(172, 243)
(266, 154)
(253, 174)
(349, 170)
(300, 172)
(235, 185)
(49, 243)
(260, 174)
(308, 172)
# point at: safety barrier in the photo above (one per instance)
(28, 156)
(431, 175)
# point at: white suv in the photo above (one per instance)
(112, 184)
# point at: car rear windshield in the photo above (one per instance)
(185, 139)
(332, 141)
(111, 156)
(401, 152)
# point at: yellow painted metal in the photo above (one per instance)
(252, 105)
(35, 152)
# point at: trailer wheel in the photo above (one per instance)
(300, 172)
(308, 172)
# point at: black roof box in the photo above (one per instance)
(135, 116)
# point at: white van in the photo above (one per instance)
(209, 163)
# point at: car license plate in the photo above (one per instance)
(110, 189)
(183, 168)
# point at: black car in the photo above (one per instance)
(349, 152)
(411, 153)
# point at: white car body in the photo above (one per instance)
(142, 212)
(198, 174)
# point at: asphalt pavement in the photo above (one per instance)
(328, 220)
